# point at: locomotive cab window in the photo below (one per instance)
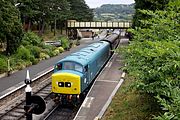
(72, 66)
(59, 66)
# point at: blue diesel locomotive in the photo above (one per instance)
(73, 74)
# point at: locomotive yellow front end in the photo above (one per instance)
(66, 83)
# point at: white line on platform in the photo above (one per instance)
(87, 102)
(110, 64)
(107, 81)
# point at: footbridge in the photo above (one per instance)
(72, 24)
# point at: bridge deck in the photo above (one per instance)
(120, 25)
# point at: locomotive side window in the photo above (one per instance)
(86, 68)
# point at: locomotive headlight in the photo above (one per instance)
(61, 84)
(67, 84)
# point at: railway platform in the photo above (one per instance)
(103, 89)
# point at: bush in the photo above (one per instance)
(55, 52)
(23, 53)
(44, 56)
(3, 65)
(35, 51)
(64, 42)
(49, 50)
(31, 38)
(61, 49)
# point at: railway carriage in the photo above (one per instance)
(73, 74)
(113, 39)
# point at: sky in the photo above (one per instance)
(98, 3)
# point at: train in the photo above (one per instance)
(75, 73)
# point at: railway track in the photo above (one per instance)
(14, 110)
(62, 113)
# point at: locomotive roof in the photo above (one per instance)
(86, 54)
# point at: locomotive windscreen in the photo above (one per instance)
(72, 66)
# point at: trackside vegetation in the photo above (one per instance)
(153, 61)
(30, 52)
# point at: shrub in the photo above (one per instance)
(23, 53)
(64, 42)
(31, 38)
(3, 65)
(17, 64)
(55, 52)
(44, 56)
(49, 50)
(61, 49)
(35, 51)
(35, 61)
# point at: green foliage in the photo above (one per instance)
(10, 27)
(30, 38)
(3, 64)
(61, 49)
(153, 58)
(64, 42)
(44, 56)
(80, 11)
(152, 5)
(47, 49)
(55, 52)
(110, 12)
(34, 50)
(23, 53)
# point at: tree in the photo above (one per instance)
(147, 5)
(10, 27)
(153, 58)
(43, 12)
(80, 11)
(59, 12)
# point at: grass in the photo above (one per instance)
(129, 104)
